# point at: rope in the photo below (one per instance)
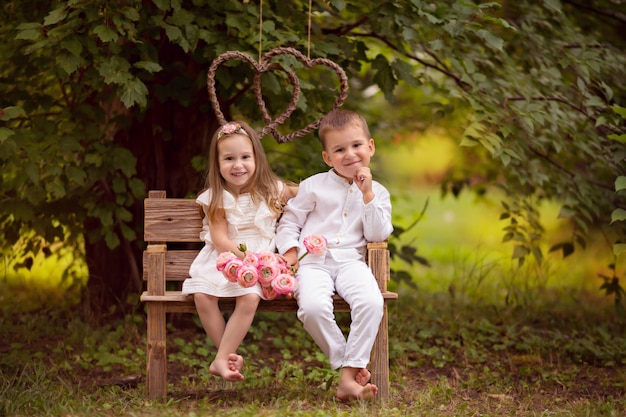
(308, 41)
(260, 28)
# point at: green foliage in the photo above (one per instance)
(533, 88)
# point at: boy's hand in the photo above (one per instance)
(363, 180)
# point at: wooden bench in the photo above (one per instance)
(169, 221)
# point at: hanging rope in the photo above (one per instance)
(260, 29)
(308, 40)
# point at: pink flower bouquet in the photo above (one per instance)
(265, 268)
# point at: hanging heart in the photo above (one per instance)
(264, 65)
(259, 68)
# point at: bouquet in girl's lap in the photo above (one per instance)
(266, 268)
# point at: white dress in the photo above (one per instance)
(247, 223)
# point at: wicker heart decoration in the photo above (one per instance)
(265, 65)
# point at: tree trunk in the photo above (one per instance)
(164, 141)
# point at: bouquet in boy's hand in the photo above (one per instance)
(314, 244)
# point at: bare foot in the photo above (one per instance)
(235, 362)
(363, 377)
(356, 391)
(221, 367)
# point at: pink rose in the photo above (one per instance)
(284, 284)
(223, 258)
(251, 259)
(268, 292)
(267, 273)
(267, 258)
(247, 275)
(230, 269)
(315, 244)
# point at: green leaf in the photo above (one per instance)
(619, 138)
(29, 34)
(520, 252)
(55, 16)
(493, 41)
(149, 66)
(618, 215)
(68, 62)
(32, 172)
(5, 133)
(162, 4)
(132, 92)
(553, 4)
(619, 110)
(72, 45)
(619, 248)
(620, 183)
(76, 175)
(566, 247)
(12, 112)
(111, 239)
(105, 33)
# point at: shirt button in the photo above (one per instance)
(345, 214)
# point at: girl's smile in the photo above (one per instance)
(236, 160)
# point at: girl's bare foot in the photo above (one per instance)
(235, 362)
(222, 367)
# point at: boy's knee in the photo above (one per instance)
(313, 308)
(372, 306)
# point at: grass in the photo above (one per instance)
(448, 358)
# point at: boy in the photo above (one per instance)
(349, 209)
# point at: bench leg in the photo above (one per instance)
(156, 366)
(380, 358)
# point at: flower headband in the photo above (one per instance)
(231, 128)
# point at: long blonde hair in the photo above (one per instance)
(263, 186)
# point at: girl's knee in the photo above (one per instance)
(248, 302)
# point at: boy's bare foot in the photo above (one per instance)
(353, 385)
(363, 377)
(235, 362)
(356, 391)
(222, 367)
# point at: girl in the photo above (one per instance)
(241, 204)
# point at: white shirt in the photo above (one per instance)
(327, 205)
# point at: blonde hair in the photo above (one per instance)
(339, 119)
(263, 186)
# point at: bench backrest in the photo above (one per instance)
(170, 221)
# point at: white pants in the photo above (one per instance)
(355, 283)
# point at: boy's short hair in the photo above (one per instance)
(339, 119)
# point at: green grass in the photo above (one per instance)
(448, 358)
